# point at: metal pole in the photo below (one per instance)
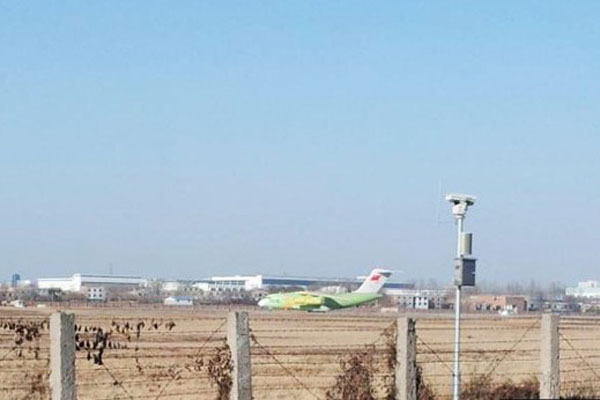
(460, 224)
(456, 376)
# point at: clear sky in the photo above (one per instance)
(187, 138)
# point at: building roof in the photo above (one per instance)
(95, 277)
(275, 280)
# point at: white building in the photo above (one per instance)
(589, 289)
(80, 283)
(422, 299)
(230, 283)
(172, 286)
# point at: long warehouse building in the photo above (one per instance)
(78, 282)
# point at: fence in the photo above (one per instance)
(124, 355)
(24, 358)
(492, 350)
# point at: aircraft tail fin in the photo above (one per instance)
(374, 281)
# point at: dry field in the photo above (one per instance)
(295, 355)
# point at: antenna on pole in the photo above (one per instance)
(440, 202)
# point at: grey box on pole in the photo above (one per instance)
(466, 243)
(464, 271)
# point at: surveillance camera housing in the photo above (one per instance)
(457, 198)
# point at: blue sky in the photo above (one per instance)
(184, 139)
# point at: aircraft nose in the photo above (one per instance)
(263, 302)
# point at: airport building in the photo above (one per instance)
(94, 287)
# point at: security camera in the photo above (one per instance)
(460, 203)
(457, 198)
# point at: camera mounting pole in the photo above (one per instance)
(464, 274)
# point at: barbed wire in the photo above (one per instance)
(450, 360)
(509, 351)
(433, 352)
(469, 329)
(585, 339)
(579, 355)
(283, 367)
(29, 369)
(20, 387)
(154, 345)
(166, 349)
(579, 328)
(319, 318)
(574, 370)
(3, 357)
(589, 352)
(468, 342)
(81, 319)
(310, 374)
(475, 374)
(178, 372)
(141, 382)
(481, 350)
(116, 381)
(151, 396)
(318, 329)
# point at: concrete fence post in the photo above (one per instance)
(62, 356)
(406, 360)
(549, 357)
(238, 339)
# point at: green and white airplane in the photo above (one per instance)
(315, 301)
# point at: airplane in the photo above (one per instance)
(315, 301)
